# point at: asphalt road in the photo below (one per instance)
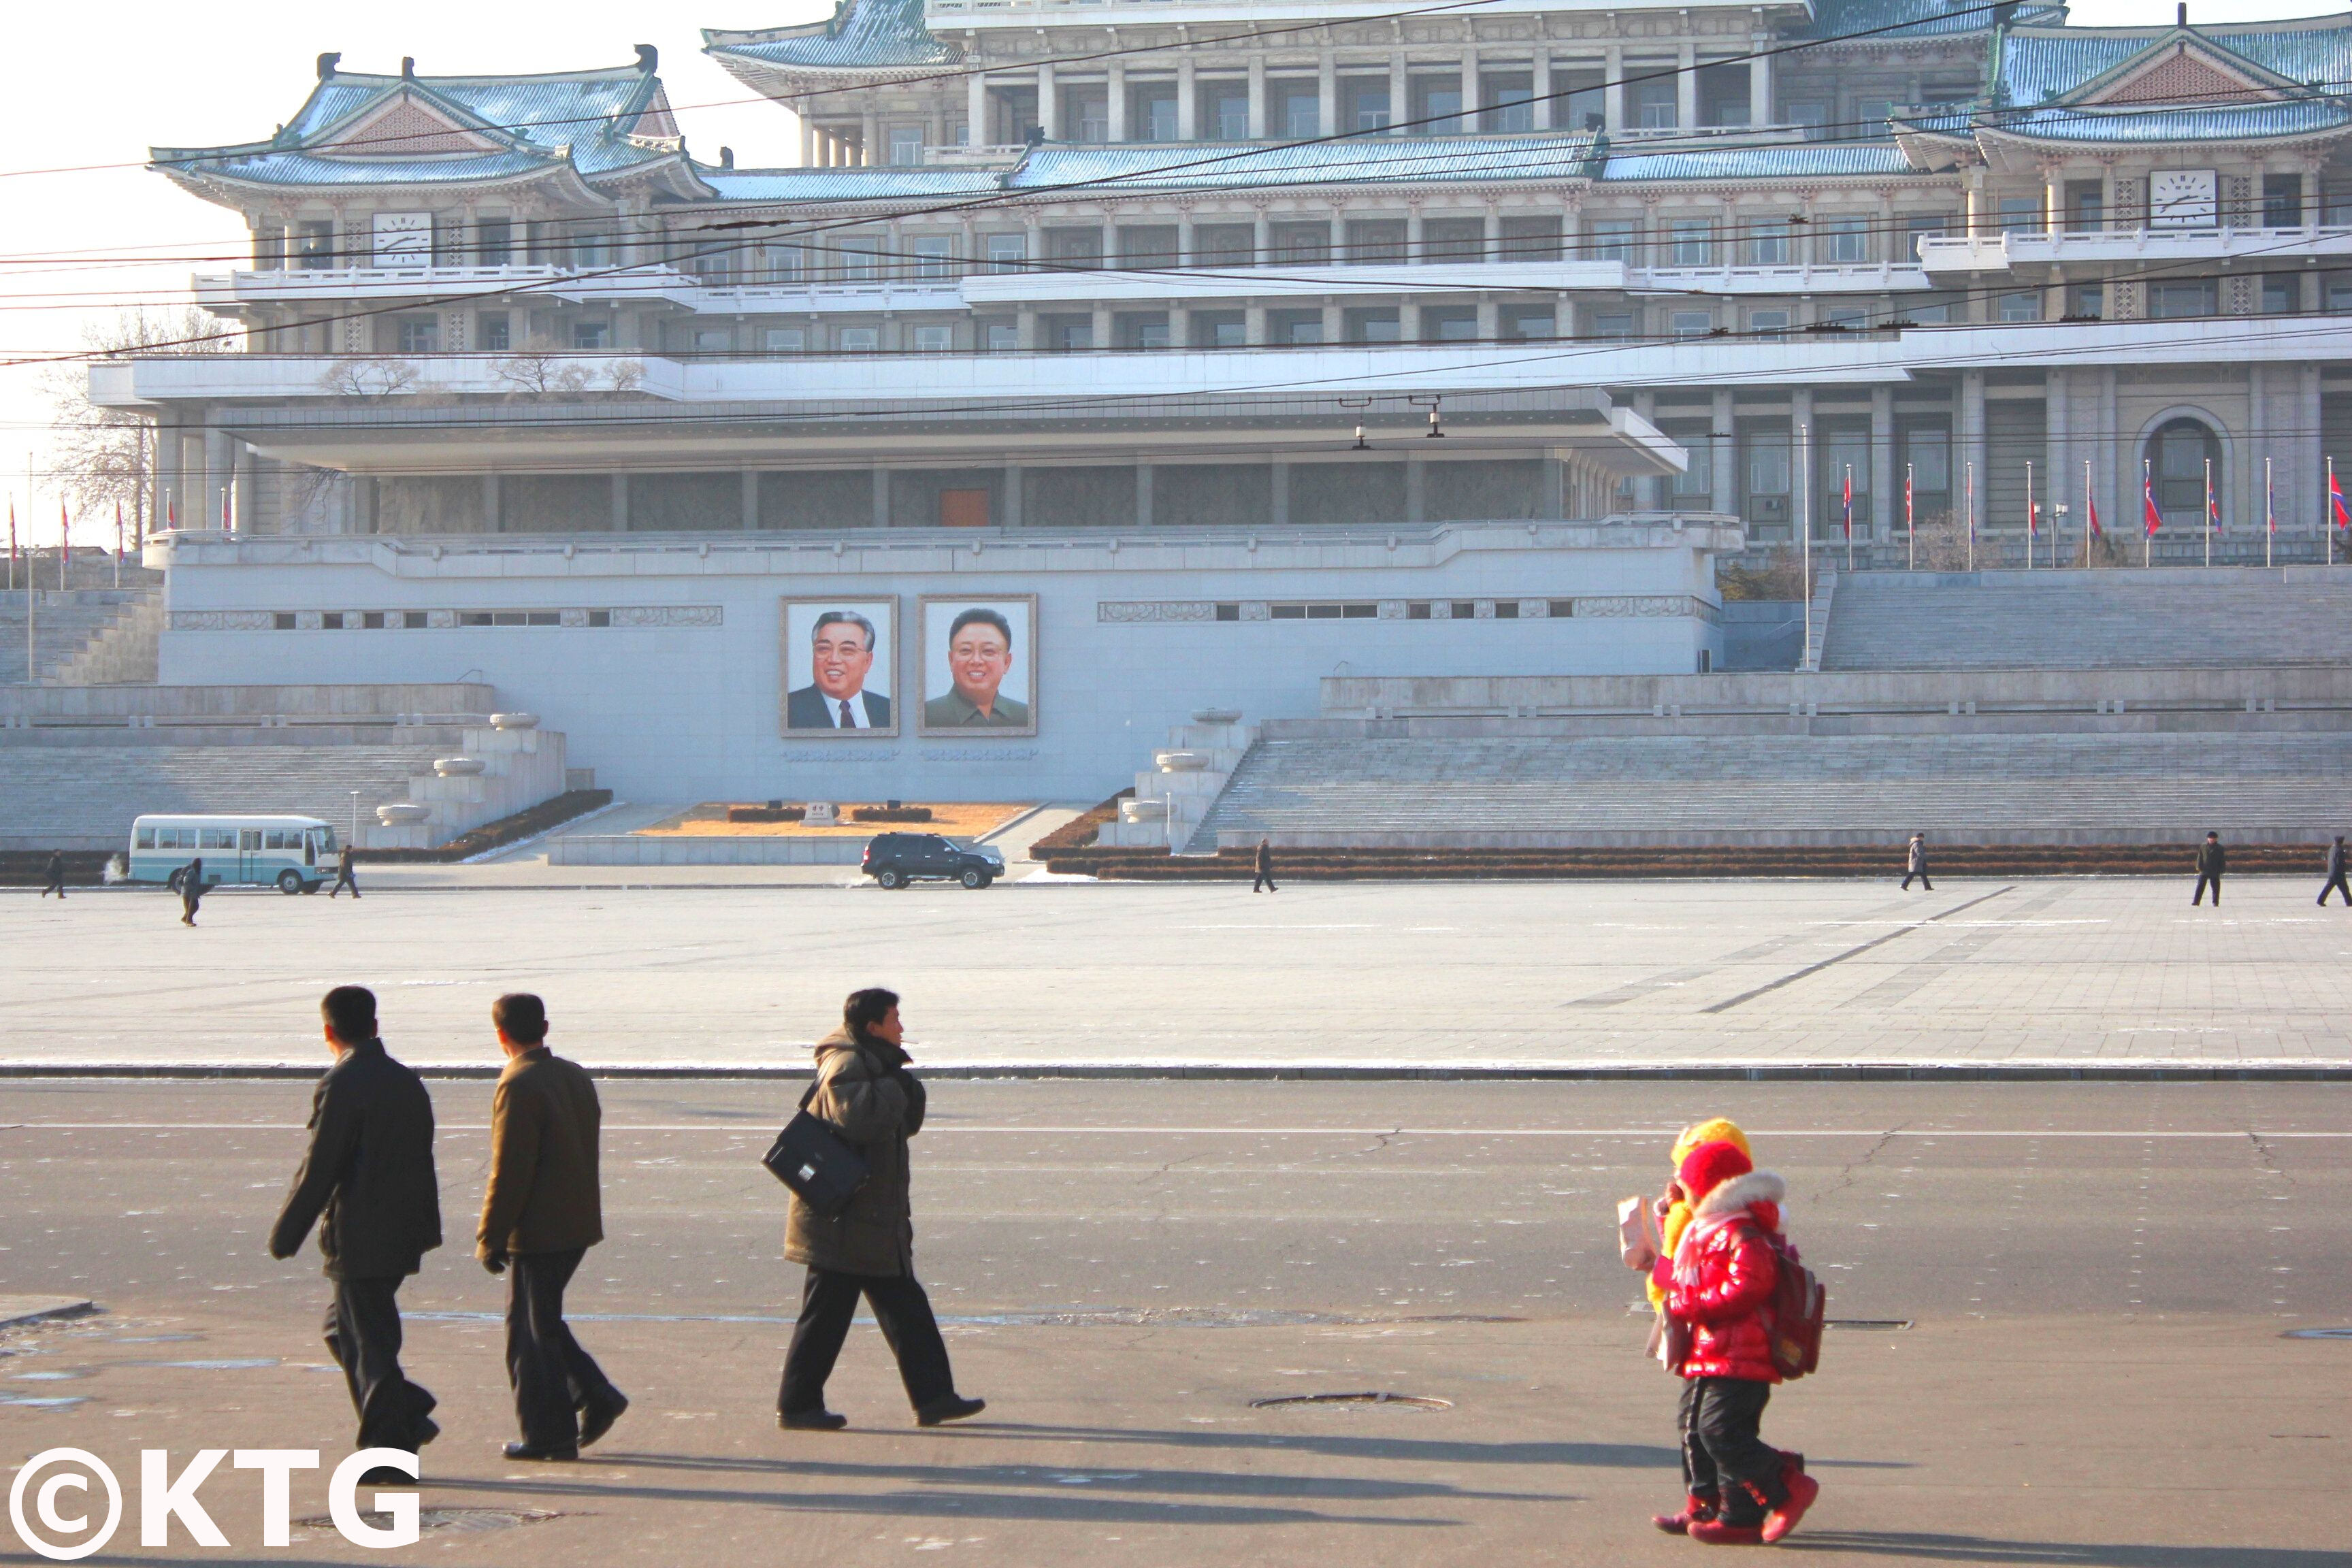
(2070, 1305)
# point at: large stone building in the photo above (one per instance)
(1234, 345)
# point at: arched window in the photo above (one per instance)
(2176, 454)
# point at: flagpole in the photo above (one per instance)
(32, 579)
(1805, 499)
(1910, 535)
(2028, 514)
(2209, 511)
(2089, 514)
(2146, 501)
(2326, 515)
(2270, 515)
(1972, 516)
(118, 544)
(1847, 521)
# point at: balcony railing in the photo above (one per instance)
(2039, 247)
(1850, 277)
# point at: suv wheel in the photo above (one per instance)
(974, 877)
(891, 878)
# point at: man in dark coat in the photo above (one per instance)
(344, 878)
(864, 1089)
(542, 1212)
(2211, 863)
(1264, 867)
(2335, 869)
(192, 890)
(1914, 863)
(55, 875)
(367, 1182)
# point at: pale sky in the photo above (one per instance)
(93, 90)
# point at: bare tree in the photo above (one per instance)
(106, 456)
(539, 369)
(369, 376)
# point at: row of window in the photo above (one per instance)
(424, 620)
(218, 839)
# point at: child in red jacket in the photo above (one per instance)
(1719, 1301)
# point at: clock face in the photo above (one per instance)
(2182, 198)
(404, 236)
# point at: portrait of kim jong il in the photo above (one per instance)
(978, 659)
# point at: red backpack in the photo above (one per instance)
(1799, 1307)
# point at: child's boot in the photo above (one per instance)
(1697, 1507)
(1801, 1489)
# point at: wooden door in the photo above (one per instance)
(963, 508)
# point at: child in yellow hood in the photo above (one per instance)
(1673, 1208)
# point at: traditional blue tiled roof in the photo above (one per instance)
(1378, 161)
(2036, 66)
(847, 184)
(2226, 122)
(1908, 18)
(1794, 163)
(590, 120)
(878, 33)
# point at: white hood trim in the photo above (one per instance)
(1734, 1197)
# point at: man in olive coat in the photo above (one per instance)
(864, 1089)
(542, 1212)
(2211, 864)
(367, 1182)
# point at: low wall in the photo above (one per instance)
(702, 849)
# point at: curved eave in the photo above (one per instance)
(1936, 152)
(671, 175)
(2012, 151)
(560, 180)
(785, 83)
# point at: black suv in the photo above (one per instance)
(895, 859)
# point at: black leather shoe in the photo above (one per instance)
(426, 1430)
(535, 1451)
(811, 1421)
(385, 1476)
(952, 1408)
(596, 1420)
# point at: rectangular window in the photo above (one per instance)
(1296, 327)
(933, 255)
(314, 244)
(1153, 118)
(1437, 105)
(2180, 299)
(1697, 482)
(713, 341)
(1000, 337)
(861, 258)
(1085, 114)
(1530, 239)
(591, 335)
(1147, 245)
(1296, 107)
(2282, 201)
(419, 335)
(1613, 323)
(2086, 206)
(1449, 323)
(1367, 101)
(1692, 242)
(1612, 239)
(1845, 241)
(1506, 609)
(781, 263)
(2086, 301)
(1444, 239)
(1224, 113)
(1373, 326)
(1223, 245)
(146, 838)
(1768, 320)
(2024, 306)
(1007, 252)
(1140, 329)
(1229, 612)
(1653, 102)
(1526, 324)
(1074, 248)
(1417, 610)
(858, 339)
(2021, 214)
(1220, 329)
(1917, 226)
(786, 340)
(1691, 323)
(494, 331)
(1375, 240)
(218, 839)
(373, 620)
(1301, 244)
(414, 620)
(1508, 101)
(2282, 293)
(1070, 335)
(494, 241)
(934, 340)
(906, 144)
(1769, 244)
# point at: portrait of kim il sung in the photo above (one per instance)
(840, 667)
(979, 666)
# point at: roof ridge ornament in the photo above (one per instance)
(327, 64)
(648, 59)
(408, 68)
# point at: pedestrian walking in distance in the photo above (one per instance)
(1914, 863)
(2211, 863)
(1719, 1283)
(1264, 883)
(367, 1182)
(192, 890)
(865, 1091)
(2336, 883)
(541, 1214)
(54, 875)
(344, 878)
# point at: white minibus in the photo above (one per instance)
(296, 854)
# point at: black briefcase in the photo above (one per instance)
(809, 1157)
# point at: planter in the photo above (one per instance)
(403, 813)
(1181, 761)
(459, 767)
(514, 721)
(1143, 811)
(1216, 715)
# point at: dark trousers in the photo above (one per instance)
(2207, 880)
(904, 1312)
(363, 1336)
(1923, 883)
(553, 1378)
(2336, 884)
(344, 878)
(56, 884)
(1264, 883)
(1723, 1458)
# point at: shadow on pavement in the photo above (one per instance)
(1980, 1549)
(1402, 1450)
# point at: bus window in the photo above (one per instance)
(250, 839)
(146, 838)
(218, 839)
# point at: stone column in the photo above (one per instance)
(1115, 95)
(1400, 91)
(2059, 457)
(1722, 450)
(1415, 236)
(1760, 83)
(490, 508)
(1327, 95)
(1179, 327)
(1884, 486)
(1612, 91)
(1470, 116)
(1025, 328)
(1257, 97)
(1253, 325)
(1971, 434)
(751, 499)
(881, 496)
(220, 461)
(1490, 241)
(2111, 461)
(975, 110)
(808, 141)
(1013, 486)
(1686, 86)
(1184, 237)
(1261, 239)
(1098, 328)
(868, 133)
(1334, 322)
(2256, 448)
(1650, 492)
(1143, 487)
(1279, 511)
(2307, 494)
(1802, 478)
(620, 517)
(1416, 489)
(1554, 507)
(1188, 101)
(1049, 103)
(1543, 106)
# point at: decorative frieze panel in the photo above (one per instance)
(632, 616)
(220, 620)
(1116, 611)
(667, 616)
(1166, 611)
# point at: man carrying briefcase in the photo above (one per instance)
(868, 1247)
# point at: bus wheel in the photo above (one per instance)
(290, 881)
